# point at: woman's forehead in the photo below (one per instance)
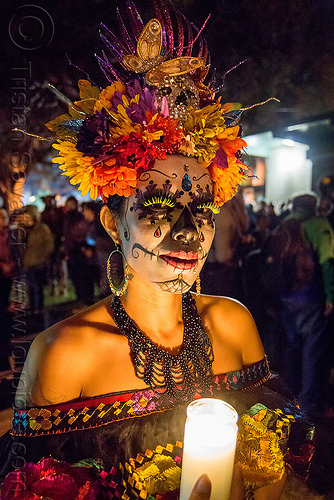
(179, 172)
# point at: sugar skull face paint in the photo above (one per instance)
(170, 230)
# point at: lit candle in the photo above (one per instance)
(209, 446)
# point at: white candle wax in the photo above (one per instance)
(209, 447)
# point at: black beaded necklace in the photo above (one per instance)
(180, 374)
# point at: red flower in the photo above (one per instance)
(172, 133)
(52, 480)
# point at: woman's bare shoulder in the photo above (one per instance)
(77, 331)
(61, 357)
(215, 306)
(231, 324)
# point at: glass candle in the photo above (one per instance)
(209, 446)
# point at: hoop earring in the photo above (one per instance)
(198, 286)
(117, 272)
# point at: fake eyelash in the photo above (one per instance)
(210, 205)
(160, 200)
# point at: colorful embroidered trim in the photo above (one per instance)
(99, 411)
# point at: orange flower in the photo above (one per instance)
(230, 141)
(226, 181)
(115, 180)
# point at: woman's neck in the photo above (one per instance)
(158, 314)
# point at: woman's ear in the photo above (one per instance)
(109, 223)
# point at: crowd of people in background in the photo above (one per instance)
(59, 251)
(63, 247)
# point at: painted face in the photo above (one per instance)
(168, 225)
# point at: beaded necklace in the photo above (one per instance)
(180, 374)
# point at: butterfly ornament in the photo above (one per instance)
(171, 77)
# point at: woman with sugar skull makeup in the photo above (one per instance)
(115, 379)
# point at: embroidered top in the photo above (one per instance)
(116, 429)
(102, 410)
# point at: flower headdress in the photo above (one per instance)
(156, 104)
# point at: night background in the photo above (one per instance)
(288, 47)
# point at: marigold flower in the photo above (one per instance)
(115, 180)
(226, 181)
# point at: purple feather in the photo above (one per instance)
(180, 33)
(168, 26)
(200, 41)
(190, 37)
(206, 52)
(108, 70)
(131, 46)
(112, 43)
(158, 15)
(134, 17)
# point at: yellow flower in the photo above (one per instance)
(203, 126)
(107, 94)
(124, 126)
(77, 166)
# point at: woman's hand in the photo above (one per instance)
(202, 488)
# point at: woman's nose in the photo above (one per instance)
(184, 228)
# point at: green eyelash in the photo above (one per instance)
(215, 210)
(159, 200)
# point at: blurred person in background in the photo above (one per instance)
(326, 209)
(326, 205)
(53, 216)
(39, 247)
(272, 216)
(74, 236)
(261, 230)
(307, 302)
(221, 272)
(103, 245)
(7, 269)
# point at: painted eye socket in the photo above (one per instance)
(204, 209)
(159, 205)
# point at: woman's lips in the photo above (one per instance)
(181, 260)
